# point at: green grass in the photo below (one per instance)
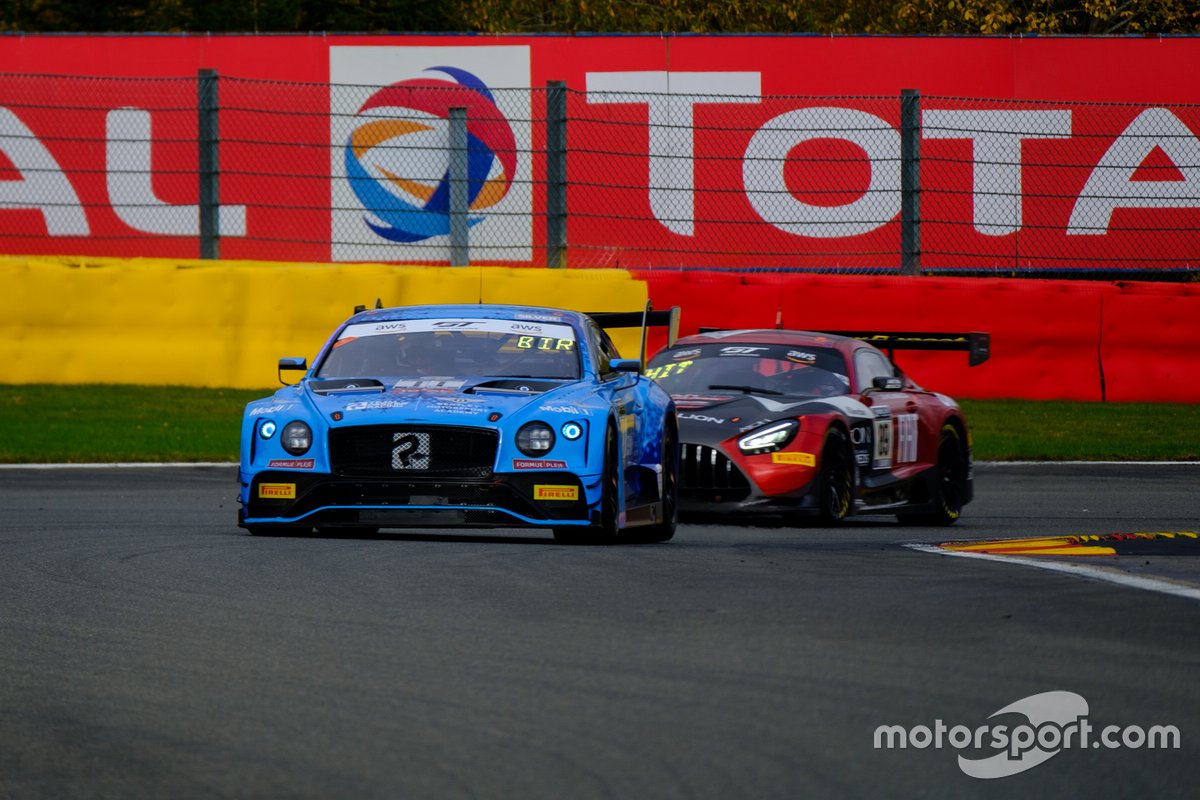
(1008, 430)
(91, 424)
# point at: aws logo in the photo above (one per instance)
(397, 157)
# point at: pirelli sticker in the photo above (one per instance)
(804, 459)
(277, 491)
(548, 492)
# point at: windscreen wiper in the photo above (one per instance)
(746, 389)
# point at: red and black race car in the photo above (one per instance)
(817, 425)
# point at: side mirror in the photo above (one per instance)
(625, 365)
(887, 384)
(291, 364)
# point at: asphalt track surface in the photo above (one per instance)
(150, 649)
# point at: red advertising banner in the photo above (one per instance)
(683, 151)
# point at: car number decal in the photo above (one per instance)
(411, 451)
(881, 458)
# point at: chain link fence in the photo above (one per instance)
(446, 170)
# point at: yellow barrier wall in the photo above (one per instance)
(225, 324)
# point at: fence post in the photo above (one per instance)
(459, 247)
(210, 197)
(910, 181)
(556, 173)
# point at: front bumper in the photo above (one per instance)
(710, 481)
(527, 499)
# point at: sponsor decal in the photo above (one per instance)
(413, 385)
(530, 463)
(549, 492)
(375, 405)
(803, 459)
(741, 350)
(277, 491)
(290, 463)
(702, 418)
(390, 160)
(802, 357)
(682, 354)
(560, 409)
(444, 407)
(273, 409)
(546, 492)
(557, 317)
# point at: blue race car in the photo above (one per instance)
(466, 416)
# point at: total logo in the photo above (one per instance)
(390, 131)
(396, 157)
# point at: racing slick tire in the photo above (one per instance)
(835, 481)
(664, 531)
(607, 531)
(947, 484)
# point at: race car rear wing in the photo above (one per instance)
(977, 345)
(644, 319)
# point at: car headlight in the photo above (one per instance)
(267, 429)
(769, 438)
(535, 438)
(296, 438)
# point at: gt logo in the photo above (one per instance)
(411, 451)
(740, 351)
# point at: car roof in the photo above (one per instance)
(768, 336)
(474, 311)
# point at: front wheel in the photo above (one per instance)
(947, 488)
(836, 479)
(665, 530)
(608, 529)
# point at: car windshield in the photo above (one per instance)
(752, 369)
(452, 348)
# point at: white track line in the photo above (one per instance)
(123, 465)
(1078, 570)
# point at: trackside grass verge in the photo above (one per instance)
(103, 424)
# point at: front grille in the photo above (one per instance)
(413, 451)
(707, 474)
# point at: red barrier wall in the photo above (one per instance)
(1148, 344)
(1051, 340)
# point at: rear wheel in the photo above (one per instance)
(835, 482)
(948, 486)
(608, 529)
